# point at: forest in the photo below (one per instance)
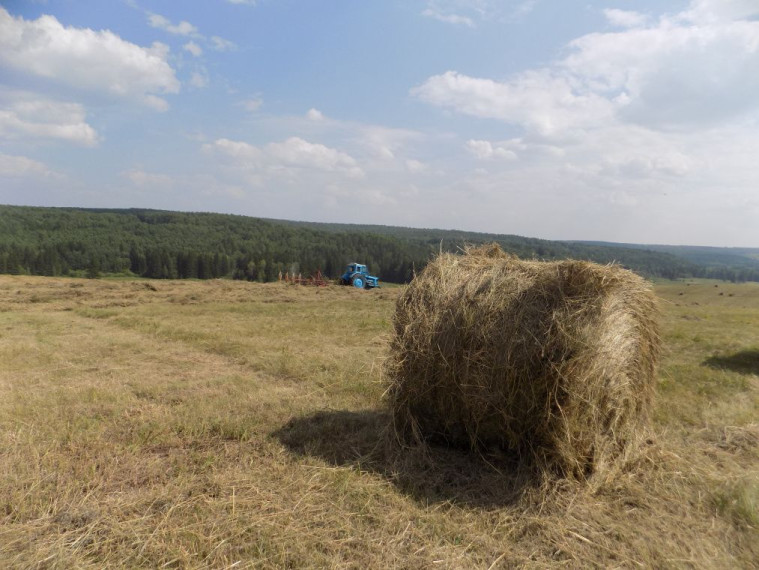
(178, 245)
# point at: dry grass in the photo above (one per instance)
(219, 424)
(555, 362)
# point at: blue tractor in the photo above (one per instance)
(358, 276)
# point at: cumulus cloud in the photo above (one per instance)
(625, 18)
(221, 44)
(692, 69)
(25, 115)
(672, 73)
(714, 11)
(193, 48)
(87, 60)
(525, 7)
(485, 150)
(540, 100)
(199, 79)
(469, 13)
(187, 29)
(383, 143)
(376, 147)
(415, 166)
(449, 18)
(183, 28)
(247, 154)
(20, 167)
(300, 153)
(252, 105)
(293, 154)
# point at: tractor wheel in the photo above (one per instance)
(359, 282)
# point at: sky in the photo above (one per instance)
(628, 121)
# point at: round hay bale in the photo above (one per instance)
(553, 360)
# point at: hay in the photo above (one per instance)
(555, 361)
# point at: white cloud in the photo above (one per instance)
(541, 100)
(368, 142)
(480, 149)
(193, 48)
(220, 44)
(470, 13)
(186, 29)
(20, 167)
(244, 2)
(156, 103)
(671, 73)
(86, 60)
(382, 143)
(288, 157)
(415, 166)
(246, 153)
(300, 153)
(253, 105)
(622, 182)
(715, 11)
(449, 18)
(25, 116)
(525, 8)
(183, 28)
(625, 18)
(325, 180)
(485, 150)
(199, 79)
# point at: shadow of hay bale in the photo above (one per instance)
(745, 362)
(428, 473)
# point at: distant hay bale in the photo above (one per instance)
(553, 360)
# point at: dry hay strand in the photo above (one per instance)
(555, 361)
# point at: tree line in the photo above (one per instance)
(177, 245)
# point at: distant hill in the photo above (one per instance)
(651, 263)
(165, 244)
(731, 263)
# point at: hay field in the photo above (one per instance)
(222, 424)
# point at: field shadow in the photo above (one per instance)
(429, 474)
(745, 362)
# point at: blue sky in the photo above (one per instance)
(618, 120)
